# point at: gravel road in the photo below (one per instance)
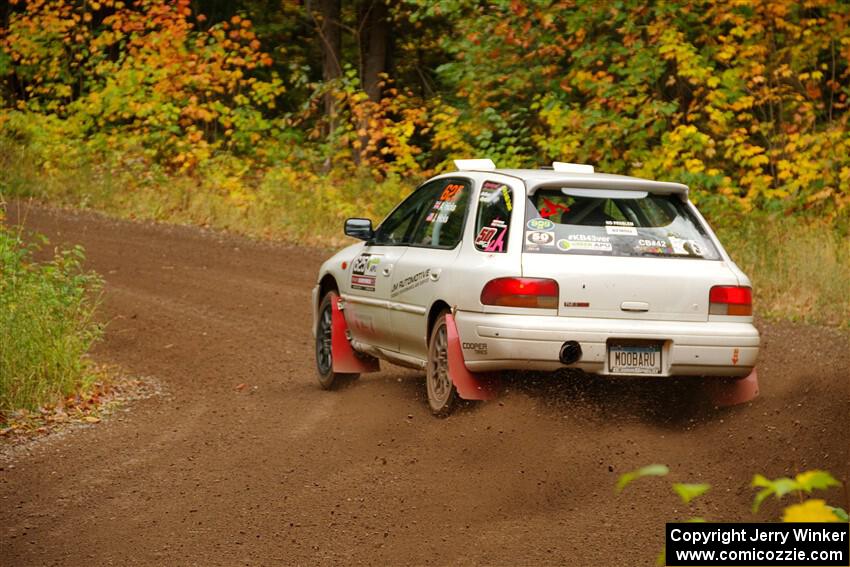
(281, 472)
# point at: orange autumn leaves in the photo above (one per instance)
(144, 73)
(744, 100)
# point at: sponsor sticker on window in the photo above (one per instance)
(495, 204)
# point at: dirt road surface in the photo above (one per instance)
(282, 473)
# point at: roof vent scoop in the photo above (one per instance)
(565, 167)
(475, 164)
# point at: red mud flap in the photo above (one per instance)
(724, 393)
(470, 385)
(345, 360)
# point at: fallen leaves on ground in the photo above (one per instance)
(112, 389)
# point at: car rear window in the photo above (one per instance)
(614, 223)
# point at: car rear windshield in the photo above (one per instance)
(614, 223)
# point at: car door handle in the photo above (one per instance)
(434, 274)
(387, 271)
(638, 306)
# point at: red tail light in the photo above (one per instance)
(521, 292)
(730, 300)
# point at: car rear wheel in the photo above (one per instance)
(328, 379)
(442, 394)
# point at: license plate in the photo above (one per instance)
(634, 358)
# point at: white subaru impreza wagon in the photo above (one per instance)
(485, 270)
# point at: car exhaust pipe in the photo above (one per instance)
(570, 352)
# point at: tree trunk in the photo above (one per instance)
(330, 37)
(375, 48)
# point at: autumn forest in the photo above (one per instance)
(280, 118)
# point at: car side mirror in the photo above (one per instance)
(359, 228)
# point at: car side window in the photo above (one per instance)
(398, 227)
(441, 222)
(493, 221)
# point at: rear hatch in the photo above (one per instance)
(663, 289)
(622, 254)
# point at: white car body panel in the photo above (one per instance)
(390, 318)
(367, 312)
(419, 280)
(532, 342)
(607, 283)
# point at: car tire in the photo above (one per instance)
(328, 379)
(442, 394)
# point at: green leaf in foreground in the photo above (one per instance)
(780, 487)
(803, 482)
(760, 481)
(815, 480)
(648, 470)
(688, 492)
(841, 513)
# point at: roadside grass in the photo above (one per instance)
(800, 268)
(46, 323)
(279, 203)
(800, 271)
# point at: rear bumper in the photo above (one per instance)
(528, 342)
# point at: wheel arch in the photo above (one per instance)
(326, 284)
(436, 308)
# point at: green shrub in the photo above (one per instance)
(46, 323)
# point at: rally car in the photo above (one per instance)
(485, 270)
